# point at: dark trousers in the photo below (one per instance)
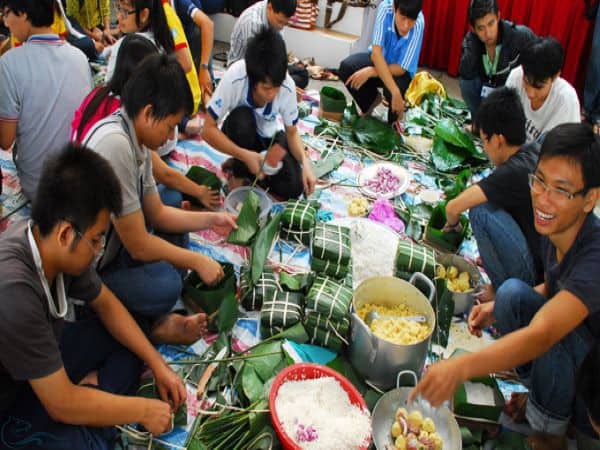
(85, 346)
(299, 75)
(85, 43)
(366, 95)
(240, 127)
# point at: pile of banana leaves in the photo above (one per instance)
(422, 119)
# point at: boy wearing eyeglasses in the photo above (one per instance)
(548, 329)
(500, 205)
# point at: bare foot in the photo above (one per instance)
(90, 379)
(544, 441)
(178, 329)
(516, 407)
(486, 294)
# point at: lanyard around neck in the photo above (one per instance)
(60, 283)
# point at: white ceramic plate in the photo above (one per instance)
(370, 172)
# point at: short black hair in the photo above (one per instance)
(587, 384)
(75, 185)
(542, 59)
(409, 8)
(501, 113)
(481, 8)
(266, 58)
(287, 7)
(39, 12)
(578, 143)
(158, 81)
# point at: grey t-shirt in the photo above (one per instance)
(114, 138)
(42, 83)
(29, 336)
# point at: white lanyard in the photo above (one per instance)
(60, 284)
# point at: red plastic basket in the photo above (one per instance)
(308, 371)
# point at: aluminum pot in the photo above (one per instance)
(463, 301)
(385, 412)
(376, 359)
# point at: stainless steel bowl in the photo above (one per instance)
(463, 301)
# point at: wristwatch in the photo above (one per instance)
(204, 66)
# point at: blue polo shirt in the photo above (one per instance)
(185, 10)
(401, 50)
(578, 270)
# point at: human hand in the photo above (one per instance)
(156, 418)
(209, 270)
(108, 37)
(223, 223)
(205, 82)
(254, 161)
(309, 180)
(457, 227)
(170, 386)
(209, 198)
(397, 104)
(439, 382)
(97, 34)
(360, 77)
(481, 317)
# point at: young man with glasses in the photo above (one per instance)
(548, 329)
(66, 384)
(500, 205)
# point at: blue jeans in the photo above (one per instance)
(169, 197)
(591, 93)
(552, 400)
(502, 245)
(85, 346)
(471, 93)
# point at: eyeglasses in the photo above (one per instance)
(96, 245)
(556, 194)
(124, 12)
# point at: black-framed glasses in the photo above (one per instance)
(557, 194)
(124, 12)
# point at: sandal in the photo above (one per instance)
(325, 75)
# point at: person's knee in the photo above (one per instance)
(478, 214)
(509, 296)
(240, 126)
(346, 69)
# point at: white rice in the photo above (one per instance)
(323, 405)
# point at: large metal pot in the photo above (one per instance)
(376, 359)
(385, 412)
(463, 301)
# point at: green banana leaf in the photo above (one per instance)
(247, 221)
(328, 163)
(444, 307)
(447, 130)
(298, 282)
(262, 246)
(252, 384)
(203, 177)
(265, 366)
(200, 297)
(332, 99)
(148, 390)
(446, 158)
(456, 187)
(446, 241)
(376, 135)
(228, 314)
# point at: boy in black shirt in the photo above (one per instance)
(500, 205)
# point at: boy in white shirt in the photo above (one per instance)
(548, 99)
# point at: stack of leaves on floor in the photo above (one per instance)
(331, 251)
(298, 221)
(327, 312)
(280, 310)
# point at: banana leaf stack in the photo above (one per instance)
(327, 313)
(411, 258)
(280, 310)
(331, 250)
(253, 296)
(298, 221)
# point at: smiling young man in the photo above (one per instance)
(489, 52)
(392, 60)
(63, 384)
(254, 94)
(144, 269)
(500, 205)
(547, 330)
(42, 83)
(548, 99)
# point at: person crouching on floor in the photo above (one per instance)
(64, 384)
(546, 330)
(254, 93)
